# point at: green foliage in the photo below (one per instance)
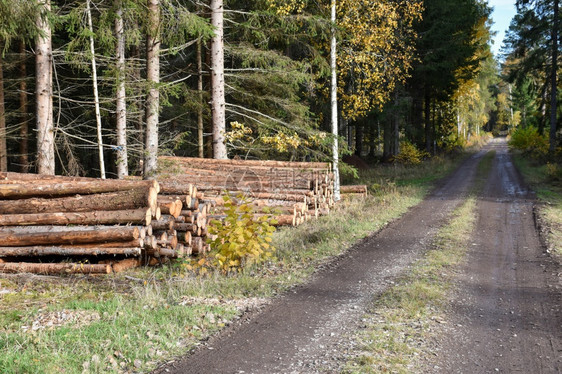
(409, 154)
(528, 140)
(240, 239)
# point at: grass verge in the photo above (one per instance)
(549, 193)
(131, 322)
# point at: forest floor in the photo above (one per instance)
(501, 314)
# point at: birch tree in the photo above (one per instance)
(153, 97)
(95, 87)
(121, 102)
(217, 81)
(334, 102)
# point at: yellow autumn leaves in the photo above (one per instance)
(375, 52)
(375, 47)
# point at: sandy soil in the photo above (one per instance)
(505, 316)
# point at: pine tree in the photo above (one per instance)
(44, 91)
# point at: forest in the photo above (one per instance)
(102, 87)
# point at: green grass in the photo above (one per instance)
(141, 323)
(548, 186)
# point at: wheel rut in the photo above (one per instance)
(505, 316)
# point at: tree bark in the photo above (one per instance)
(96, 94)
(359, 130)
(428, 124)
(334, 102)
(200, 142)
(92, 235)
(120, 200)
(44, 92)
(47, 188)
(3, 147)
(120, 100)
(229, 164)
(36, 251)
(217, 81)
(24, 115)
(126, 264)
(553, 79)
(142, 216)
(51, 269)
(153, 98)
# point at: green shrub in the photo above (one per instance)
(529, 141)
(409, 154)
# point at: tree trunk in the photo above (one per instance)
(359, 139)
(142, 216)
(553, 79)
(3, 147)
(428, 125)
(51, 269)
(93, 235)
(153, 98)
(36, 251)
(96, 94)
(121, 103)
(145, 197)
(24, 115)
(387, 141)
(18, 190)
(44, 92)
(334, 102)
(200, 143)
(217, 81)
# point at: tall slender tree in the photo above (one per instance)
(334, 101)
(121, 96)
(153, 97)
(44, 92)
(217, 80)
(96, 93)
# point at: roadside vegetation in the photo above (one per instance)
(134, 321)
(401, 322)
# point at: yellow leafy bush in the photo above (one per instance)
(409, 154)
(240, 239)
(529, 141)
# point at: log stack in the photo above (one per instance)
(294, 191)
(101, 225)
(186, 215)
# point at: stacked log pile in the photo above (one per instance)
(289, 192)
(185, 215)
(101, 225)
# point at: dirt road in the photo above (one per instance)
(505, 284)
(506, 316)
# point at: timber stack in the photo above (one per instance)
(102, 225)
(288, 192)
